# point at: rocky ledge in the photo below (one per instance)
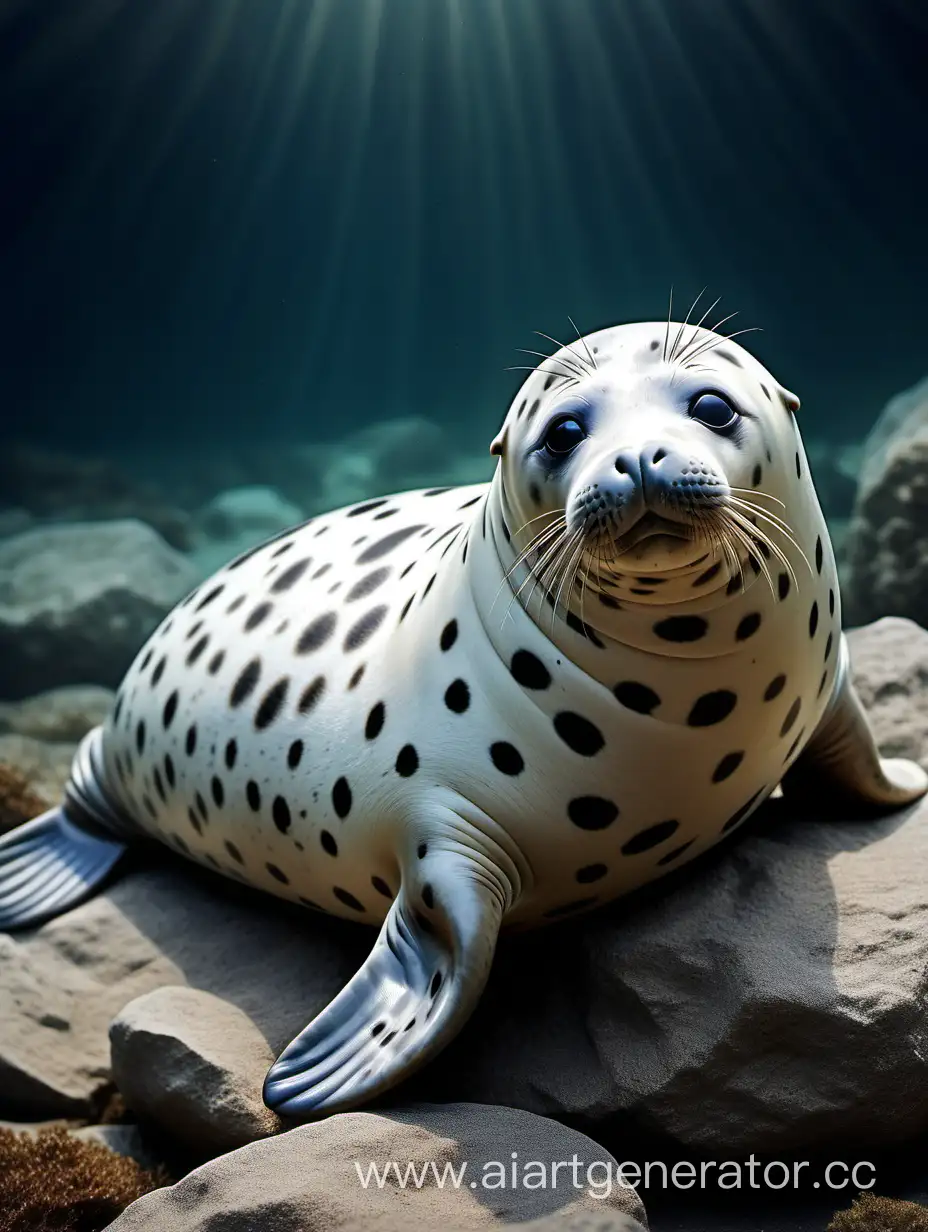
(769, 999)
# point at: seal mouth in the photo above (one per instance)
(651, 526)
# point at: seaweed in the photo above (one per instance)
(18, 802)
(872, 1214)
(53, 1182)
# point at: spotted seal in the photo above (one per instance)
(453, 709)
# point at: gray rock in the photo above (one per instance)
(255, 512)
(77, 601)
(737, 1007)
(886, 546)
(59, 716)
(195, 1064)
(309, 1180)
(124, 1140)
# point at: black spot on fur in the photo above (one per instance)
(290, 576)
(708, 574)
(159, 670)
(356, 677)
(748, 626)
(341, 797)
(311, 694)
(258, 616)
(216, 662)
(590, 873)
(169, 770)
(366, 508)
(457, 696)
(774, 688)
(653, 836)
(757, 475)
(578, 733)
(272, 703)
(798, 467)
(592, 812)
(783, 585)
(407, 761)
(280, 812)
(295, 754)
(727, 766)
(449, 635)
(329, 845)
(529, 671)
(316, 633)
(712, 708)
(681, 628)
(363, 629)
(676, 852)
(636, 696)
(368, 584)
(246, 682)
(381, 887)
(277, 873)
(349, 900)
(374, 724)
(140, 736)
(190, 742)
(791, 717)
(828, 645)
(381, 547)
(233, 852)
(231, 754)
(506, 758)
(253, 795)
(813, 620)
(170, 709)
(218, 791)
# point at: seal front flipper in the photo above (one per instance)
(841, 759)
(416, 990)
(51, 863)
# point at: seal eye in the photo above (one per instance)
(563, 436)
(713, 411)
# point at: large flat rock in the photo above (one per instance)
(770, 998)
(512, 1169)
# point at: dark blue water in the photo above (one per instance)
(279, 218)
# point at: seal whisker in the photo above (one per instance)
(686, 320)
(757, 492)
(763, 537)
(667, 329)
(688, 351)
(554, 359)
(584, 343)
(783, 527)
(536, 573)
(570, 380)
(576, 550)
(747, 537)
(710, 346)
(699, 324)
(542, 537)
(564, 346)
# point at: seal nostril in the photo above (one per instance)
(659, 456)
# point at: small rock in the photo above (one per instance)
(77, 601)
(124, 1140)
(194, 1064)
(310, 1179)
(60, 715)
(254, 512)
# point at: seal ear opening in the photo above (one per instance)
(789, 400)
(498, 445)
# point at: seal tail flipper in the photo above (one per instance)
(49, 865)
(416, 990)
(841, 763)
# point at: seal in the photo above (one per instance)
(449, 710)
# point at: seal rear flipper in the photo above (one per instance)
(416, 990)
(841, 763)
(49, 865)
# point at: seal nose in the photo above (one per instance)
(628, 465)
(667, 474)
